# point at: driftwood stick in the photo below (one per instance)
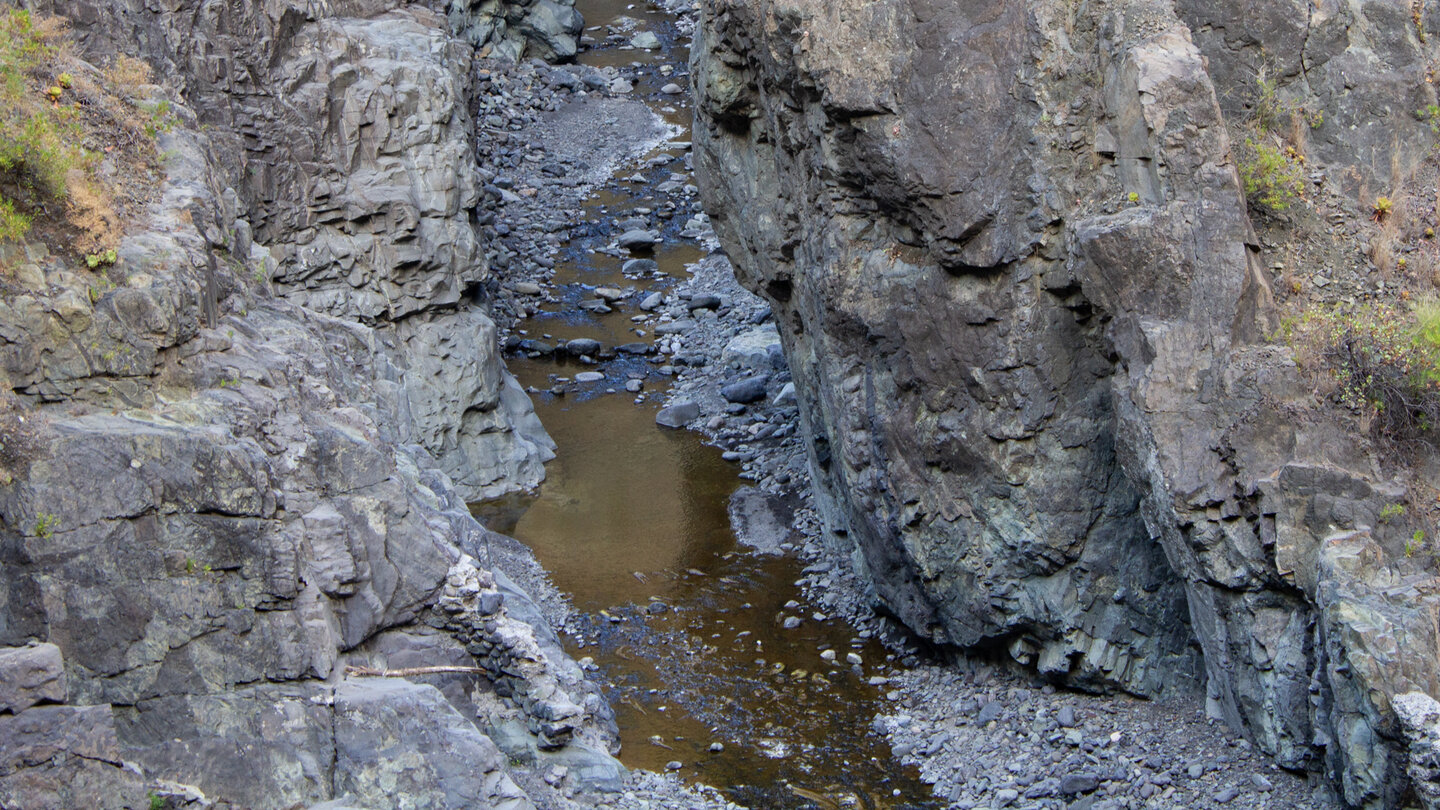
(371, 672)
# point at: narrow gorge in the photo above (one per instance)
(746, 403)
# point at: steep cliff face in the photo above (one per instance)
(255, 435)
(1026, 312)
(344, 141)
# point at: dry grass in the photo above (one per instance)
(77, 152)
(1382, 248)
(127, 75)
(91, 210)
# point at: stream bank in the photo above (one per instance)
(718, 665)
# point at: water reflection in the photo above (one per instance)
(622, 497)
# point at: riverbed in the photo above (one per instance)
(717, 665)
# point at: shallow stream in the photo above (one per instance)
(687, 628)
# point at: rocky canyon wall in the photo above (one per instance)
(1027, 314)
(254, 438)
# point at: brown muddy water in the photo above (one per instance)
(686, 627)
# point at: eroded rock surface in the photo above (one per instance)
(257, 435)
(1025, 309)
(345, 146)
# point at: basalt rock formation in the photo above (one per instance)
(254, 437)
(1027, 310)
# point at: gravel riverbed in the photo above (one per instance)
(984, 735)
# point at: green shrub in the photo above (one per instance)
(13, 224)
(161, 118)
(1385, 361)
(1272, 178)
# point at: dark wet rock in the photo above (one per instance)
(582, 346)
(677, 415)
(1071, 784)
(638, 239)
(750, 389)
(536, 346)
(704, 301)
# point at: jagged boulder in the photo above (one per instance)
(547, 29)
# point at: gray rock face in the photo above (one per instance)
(343, 145)
(394, 738)
(30, 675)
(260, 438)
(57, 757)
(1016, 283)
(1419, 716)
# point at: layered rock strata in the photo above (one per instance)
(343, 135)
(254, 440)
(1026, 312)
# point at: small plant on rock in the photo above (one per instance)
(1382, 208)
(1273, 180)
(107, 257)
(1430, 114)
(45, 525)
